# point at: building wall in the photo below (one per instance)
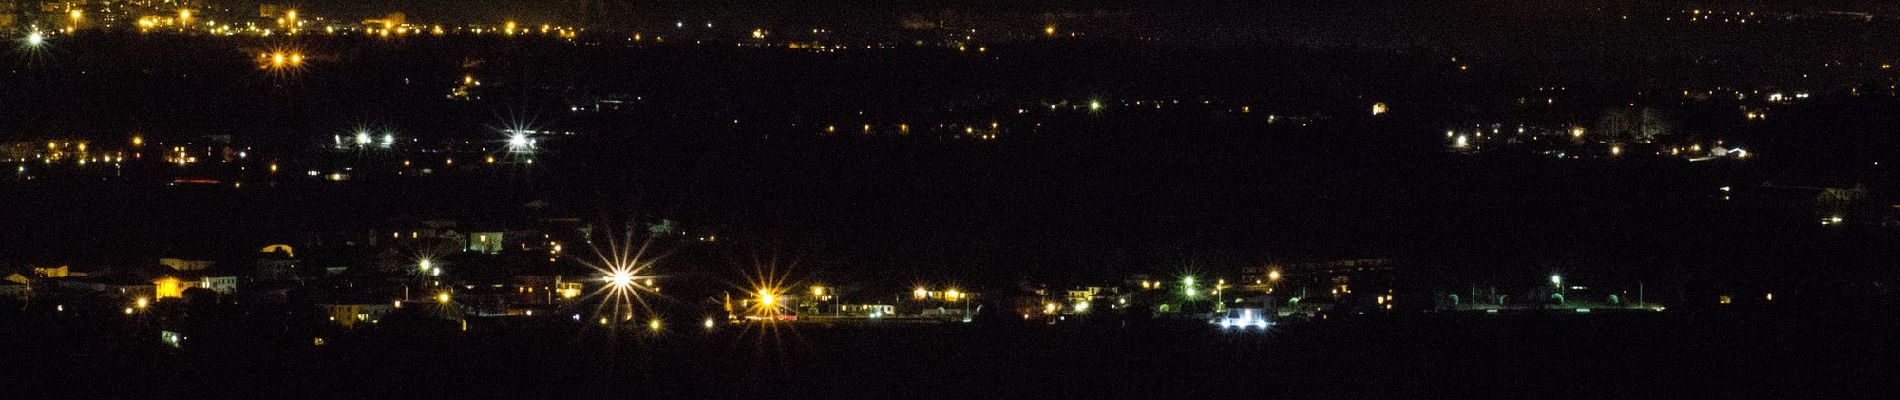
(225, 285)
(185, 265)
(485, 242)
(15, 291)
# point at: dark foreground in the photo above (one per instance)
(1756, 354)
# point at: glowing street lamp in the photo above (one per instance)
(620, 279)
(35, 39)
(767, 299)
(519, 142)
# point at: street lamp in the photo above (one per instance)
(1557, 281)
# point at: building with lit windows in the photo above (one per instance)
(9, 14)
